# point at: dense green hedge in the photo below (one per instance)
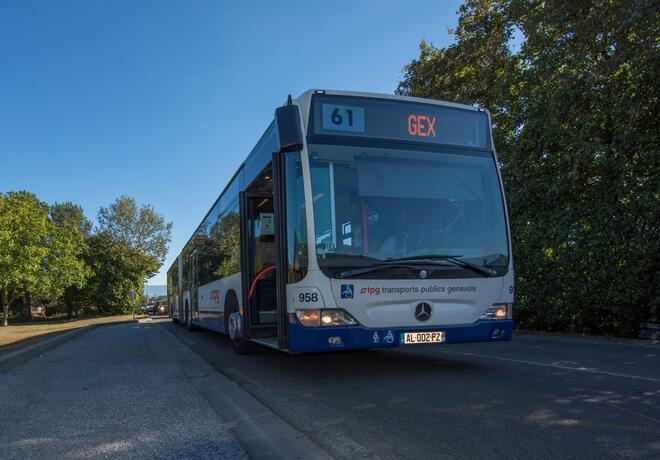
(572, 87)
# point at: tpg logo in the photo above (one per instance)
(346, 291)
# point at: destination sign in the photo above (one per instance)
(399, 120)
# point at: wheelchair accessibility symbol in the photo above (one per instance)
(346, 291)
(389, 337)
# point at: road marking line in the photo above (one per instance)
(557, 366)
(631, 411)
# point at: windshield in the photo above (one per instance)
(373, 205)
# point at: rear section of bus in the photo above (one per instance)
(407, 237)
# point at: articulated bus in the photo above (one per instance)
(358, 221)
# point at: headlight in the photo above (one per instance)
(336, 318)
(308, 318)
(499, 311)
(329, 317)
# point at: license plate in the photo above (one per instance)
(410, 338)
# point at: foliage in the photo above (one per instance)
(63, 267)
(70, 213)
(141, 229)
(24, 232)
(50, 255)
(575, 122)
(117, 270)
(75, 229)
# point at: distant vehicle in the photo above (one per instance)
(149, 309)
(156, 308)
(357, 221)
(161, 309)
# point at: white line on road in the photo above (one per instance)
(557, 366)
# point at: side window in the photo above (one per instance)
(227, 235)
(295, 217)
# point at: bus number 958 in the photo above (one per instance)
(308, 297)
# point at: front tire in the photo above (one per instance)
(234, 329)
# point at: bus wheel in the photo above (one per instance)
(235, 332)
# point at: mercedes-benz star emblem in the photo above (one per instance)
(423, 311)
(422, 274)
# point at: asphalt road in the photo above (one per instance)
(113, 392)
(534, 397)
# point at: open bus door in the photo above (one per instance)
(263, 263)
(263, 242)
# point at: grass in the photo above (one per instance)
(20, 334)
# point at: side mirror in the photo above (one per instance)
(287, 119)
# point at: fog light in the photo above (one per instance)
(336, 340)
(496, 333)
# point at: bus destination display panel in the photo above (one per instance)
(399, 120)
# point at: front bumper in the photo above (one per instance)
(318, 339)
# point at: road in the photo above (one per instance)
(113, 392)
(534, 397)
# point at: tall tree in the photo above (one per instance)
(132, 243)
(576, 126)
(141, 229)
(479, 68)
(24, 233)
(65, 271)
(117, 270)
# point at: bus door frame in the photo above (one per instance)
(282, 270)
(246, 275)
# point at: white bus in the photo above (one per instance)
(357, 221)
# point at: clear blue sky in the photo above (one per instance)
(162, 100)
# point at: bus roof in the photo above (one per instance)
(331, 92)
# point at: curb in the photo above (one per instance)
(16, 357)
(261, 432)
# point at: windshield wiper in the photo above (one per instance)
(451, 258)
(376, 267)
(414, 263)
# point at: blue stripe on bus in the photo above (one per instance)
(310, 340)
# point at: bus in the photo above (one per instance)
(358, 221)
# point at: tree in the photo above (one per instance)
(71, 214)
(479, 68)
(141, 229)
(66, 270)
(117, 270)
(24, 233)
(130, 246)
(576, 126)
